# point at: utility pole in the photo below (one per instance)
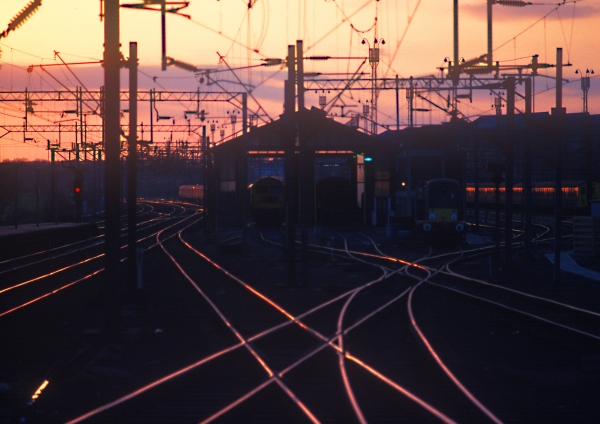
(300, 73)
(510, 167)
(397, 106)
(455, 74)
(37, 197)
(244, 192)
(490, 33)
(304, 164)
(132, 169)
(558, 115)
(527, 185)
(206, 188)
(163, 35)
(410, 94)
(15, 213)
(112, 171)
(290, 153)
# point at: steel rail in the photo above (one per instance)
(328, 342)
(59, 289)
(238, 335)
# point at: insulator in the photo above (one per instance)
(22, 16)
(514, 3)
(182, 65)
(272, 62)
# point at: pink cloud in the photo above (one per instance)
(500, 13)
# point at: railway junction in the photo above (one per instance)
(438, 340)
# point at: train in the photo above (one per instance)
(574, 196)
(267, 201)
(336, 202)
(334, 196)
(440, 211)
(192, 193)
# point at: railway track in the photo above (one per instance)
(368, 337)
(36, 277)
(43, 299)
(321, 388)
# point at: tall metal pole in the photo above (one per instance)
(410, 94)
(397, 106)
(300, 74)
(527, 183)
(455, 33)
(244, 192)
(303, 165)
(163, 27)
(489, 17)
(456, 66)
(53, 190)
(81, 130)
(558, 114)
(112, 171)
(510, 168)
(205, 200)
(16, 214)
(290, 150)
(132, 169)
(37, 197)
(476, 181)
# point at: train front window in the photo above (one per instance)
(444, 197)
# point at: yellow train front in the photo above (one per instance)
(267, 197)
(587, 192)
(440, 211)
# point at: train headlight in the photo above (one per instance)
(431, 216)
(460, 227)
(453, 217)
(427, 226)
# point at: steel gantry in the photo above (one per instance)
(461, 87)
(90, 103)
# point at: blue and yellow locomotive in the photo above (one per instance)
(267, 201)
(440, 210)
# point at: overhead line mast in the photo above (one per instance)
(175, 7)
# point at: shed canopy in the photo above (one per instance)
(322, 134)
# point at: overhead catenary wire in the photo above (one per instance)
(399, 42)
(368, 2)
(528, 28)
(234, 41)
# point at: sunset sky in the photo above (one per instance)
(418, 36)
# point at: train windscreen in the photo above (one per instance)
(444, 196)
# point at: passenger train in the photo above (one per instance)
(440, 210)
(574, 196)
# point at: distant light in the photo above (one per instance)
(368, 159)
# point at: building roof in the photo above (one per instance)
(323, 134)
